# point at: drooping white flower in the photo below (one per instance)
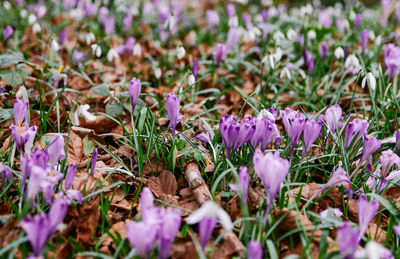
(352, 64)
(83, 110)
(54, 45)
(292, 35)
(157, 73)
(137, 50)
(7, 5)
(369, 77)
(112, 54)
(23, 13)
(191, 80)
(265, 113)
(96, 50)
(285, 73)
(278, 36)
(339, 53)
(211, 209)
(36, 28)
(90, 38)
(311, 34)
(180, 52)
(32, 19)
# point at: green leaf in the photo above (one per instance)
(14, 77)
(102, 90)
(11, 59)
(88, 146)
(6, 114)
(114, 109)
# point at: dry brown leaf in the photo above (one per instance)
(75, 149)
(164, 184)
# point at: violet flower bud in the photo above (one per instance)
(310, 134)
(332, 116)
(108, 25)
(23, 136)
(56, 150)
(230, 10)
(8, 31)
(212, 19)
(242, 187)
(205, 137)
(78, 57)
(63, 36)
(370, 145)
(37, 229)
(57, 213)
(69, 177)
(134, 91)
(20, 110)
(338, 177)
(323, 49)
(195, 68)
(397, 134)
(142, 237)
(325, 18)
(173, 112)
(391, 59)
(247, 21)
(293, 122)
(127, 22)
(254, 250)
(90, 9)
(355, 128)
(308, 62)
(232, 38)
(364, 40)
(171, 222)
(358, 20)
(5, 172)
(94, 161)
(347, 238)
(346, 51)
(387, 160)
(366, 212)
(272, 169)
(220, 52)
(301, 40)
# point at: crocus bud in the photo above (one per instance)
(220, 52)
(195, 68)
(358, 20)
(255, 250)
(311, 132)
(364, 40)
(242, 187)
(109, 25)
(212, 19)
(69, 177)
(8, 31)
(332, 116)
(323, 49)
(308, 61)
(134, 91)
(56, 150)
(94, 161)
(173, 112)
(20, 109)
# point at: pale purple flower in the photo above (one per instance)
(134, 92)
(396, 230)
(355, 129)
(358, 20)
(380, 181)
(206, 227)
(63, 36)
(90, 9)
(5, 173)
(23, 136)
(242, 187)
(366, 212)
(325, 18)
(293, 122)
(68, 4)
(311, 132)
(387, 159)
(108, 25)
(20, 110)
(78, 57)
(347, 239)
(301, 40)
(126, 48)
(220, 52)
(171, 222)
(195, 67)
(364, 40)
(58, 210)
(332, 116)
(173, 112)
(146, 201)
(308, 61)
(391, 59)
(340, 24)
(142, 237)
(212, 19)
(205, 137)
(323, 49)
(94, 161)
(370, 145)
(397, 134)
(264, 14)
(272, 169)
(247, 21)
(235, 134)
(232, 38)
(398, 16)
(230, 10)
(346, 51)
(338, 177)
(384, 17)
(8, 31)
(69, 177)
(266, 131)
(56, 150)
(37, 230)
(254, 250)
(127, 22)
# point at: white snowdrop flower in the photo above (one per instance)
(270, 60)
(77, 14)
(311, 34)
(36, 28)
(302, 74)
(258, 19)
(285, 73)
(352, 64)
(32, 19)
(112, 54)
(292, 35)
(180, 52)
(272, 11)
(278, 54)
(233, 21)
(339, 53)
(23, 13)
(369, 77)
(371, 35)
(212, 210)
(7, 5)
(137, 50)
(352, 15)
(157, 44)
(251, 35)
(373, 250)
(278, 36)
(171, 23)
(54, 45)
(90, 38)
(338, 6)
(191, 80)
(96, 50)
(266, 2)
(265, 113)
(378, 40)
(83, 110)
(157, 73)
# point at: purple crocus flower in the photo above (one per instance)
(398, 16)
(127, 22)
(94, 161)
(355, 128)
(56, 150)
(339, 177)
(108, 24)
(242, 187)
(311, 132)
(212, 19)
(391, 59)
(397, 134)
(68, 4)
(232, 38)
(134, 91)
(346, 51)
(247, 21)
(323, 49)
(235, 134)
(173, 112)
(264, 14)
(332, 116)
(366, 212)
(5, 173)
(272, 169)
(90, 9)
(381, 181)
(8, 31)
(205, 137)
(301, 40)
(20, 110)
(293, 122)
(325, 18)
(57, 213)
(37, 230)
(220, 52)
(171, 222)
(63, 36)
(387, 159)
(347, 238)
(308, 61)
(206, 227)
(340, 24)
(78, 57)
(384, 17)
(370, 145)
(266, 131)
(364, 40)
(230, 10)
(254, 250)
(142, 237)
(195, 67)
(23, 136)
(358, 20)
(69, 177)
(396, 230)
